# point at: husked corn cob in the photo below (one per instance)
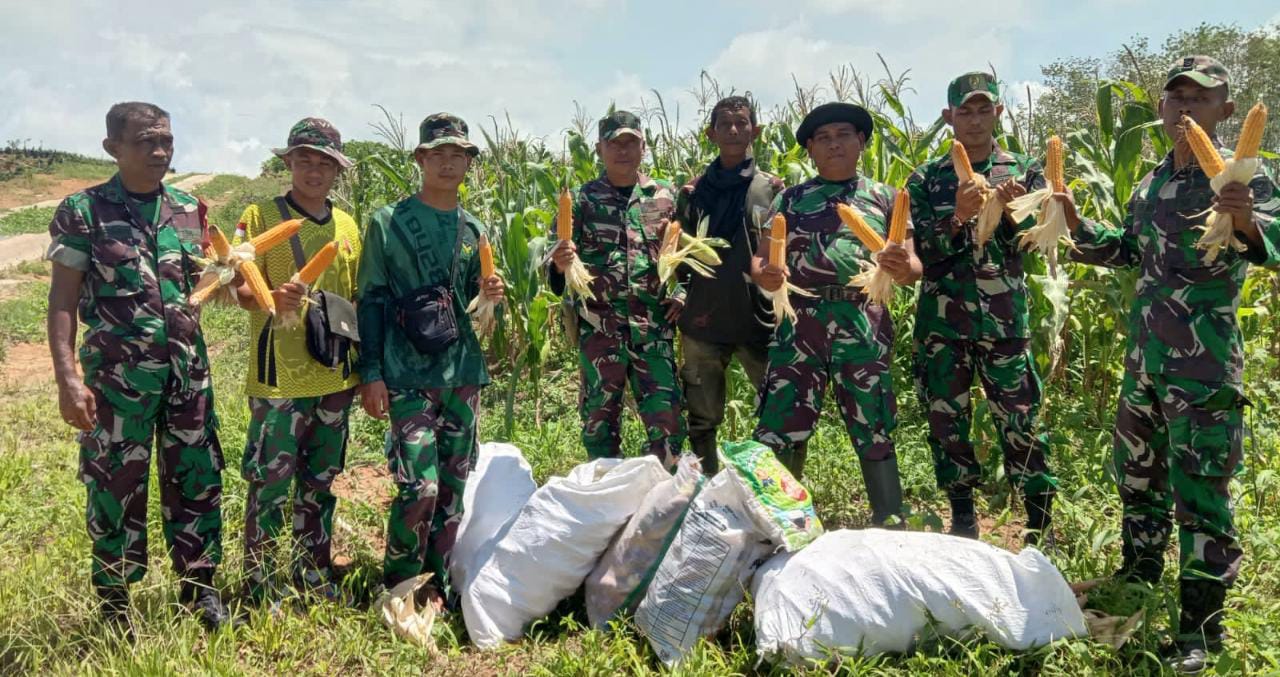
(275, 236)
(866, 234)
(486, 258)
(671, 238)
(1202, 146)
(318, 263)
(960, 158)
(221, 248)
(898, 220)
(258, 286)
(1054, 162)
(1251, 133)
(778, 240)
(564, 219)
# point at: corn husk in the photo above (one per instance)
(1219, 228)
(874, 282)
(780, 297)
(1112, 631)
(695, 251)
(989, 212)
(399, 613)
(223, 261)
(576, 278)
(482, 309)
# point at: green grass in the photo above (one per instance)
(24, 221)
(50, 619)
(229, 193)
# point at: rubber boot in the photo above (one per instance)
(1039, 519)
(964, 518)
(198, 593)
(704, 446)
(1199, 625)
(1140, 565)
(884, 491)
(793, 458)
(113, 603)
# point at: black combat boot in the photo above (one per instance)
(964, 519)
(1039, 518)
(1199, 625)
(199, 594)
(1140, 565)
(884, 491)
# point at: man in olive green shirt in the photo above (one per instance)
(424, 244)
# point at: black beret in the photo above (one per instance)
(828, 113)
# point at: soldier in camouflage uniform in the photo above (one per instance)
(972, 313)
(420, 244)
(627, 324)
(838, 336)
(298, 408)
(726, 316)
(1178, 427)
(126, 251)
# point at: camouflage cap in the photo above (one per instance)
(317, 134)
(619, 122)
(443, 129)
(973, 84)
(1205, 71)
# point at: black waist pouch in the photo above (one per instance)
(332, 330)
(427, 318)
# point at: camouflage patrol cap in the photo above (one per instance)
(317, 134)
(619, 122)
(1205, 71)
(443, 129)
(970, 85)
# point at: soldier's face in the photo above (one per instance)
(621, 154)
(974, 121)
(143, 151)
(314, 173)
(733, 132)
(1206, 106)
(835, 148)
(443, 167)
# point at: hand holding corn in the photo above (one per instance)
(1233, 206)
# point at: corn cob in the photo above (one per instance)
(866, 234)
(564, 219)
(486, 258)
(960, 158)
(204, 291)
(671, 238)
(1202, 146)
(275, 236)
(778, 240)
(221, 248)
(898, 220)
(258, 286)
(318, 263)
(1251, 134)
(1053, 165)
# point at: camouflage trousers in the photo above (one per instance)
(302, 438)
(607, 363)
(1177, 445)
(431, 444)
(829, 341)
(702, 373)
(115, 464)
(944, 372)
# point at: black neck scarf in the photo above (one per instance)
(721, 195)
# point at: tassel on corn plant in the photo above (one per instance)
(1219, 228)
(482, 309)
(1051, 219)
(990, 211)
(781, 297)
(695, 251)
(224, 261)
(577, 280)
(877, 284)
(307, 277)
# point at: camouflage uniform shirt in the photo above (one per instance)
(969, 293)
(138, 273)
(1183, 321)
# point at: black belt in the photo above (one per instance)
(839, 292)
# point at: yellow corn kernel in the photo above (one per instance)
(1054, 160)
(778, 240)
(1251, 133)
(960, 158)
(486, 258)
(258, 286)
(898, 220)
(221, 248)
(1202, 146)
(275, 236)
(865, 234)
(318, 263)
(671, 240)
(564, 219)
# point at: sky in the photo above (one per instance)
(236, 74)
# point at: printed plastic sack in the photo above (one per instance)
(618, 582)
(734, 524)
(875, 591)
(498, 486)
(553, 544)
